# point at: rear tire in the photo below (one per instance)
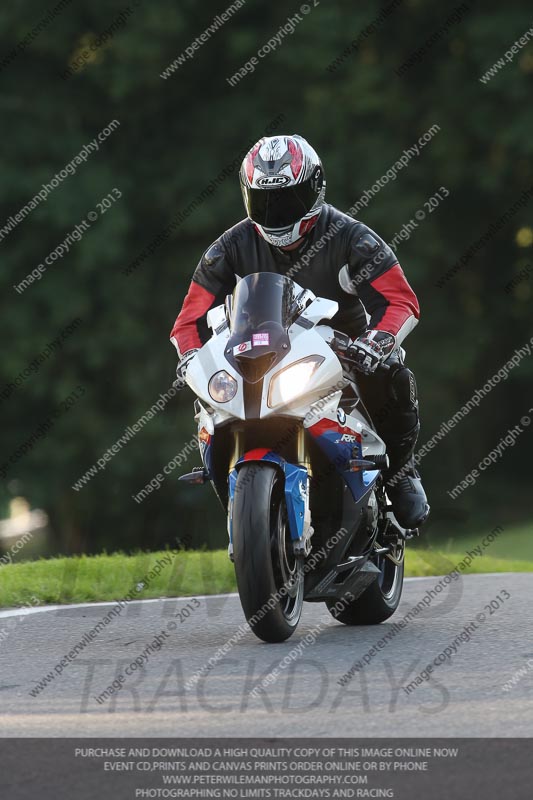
(379, 601)
(263, 556)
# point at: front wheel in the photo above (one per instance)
(381, 599)
(270, 578)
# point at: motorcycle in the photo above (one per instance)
(295, 461)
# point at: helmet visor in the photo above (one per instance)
(280, 208)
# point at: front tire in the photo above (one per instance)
(263, 556)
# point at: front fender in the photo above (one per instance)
(296, 491)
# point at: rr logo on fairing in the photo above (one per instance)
(348, 437)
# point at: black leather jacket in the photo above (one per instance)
(340, 258)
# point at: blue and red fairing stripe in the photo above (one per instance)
(328, 435)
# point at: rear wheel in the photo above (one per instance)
(270, 578)
(382, 598)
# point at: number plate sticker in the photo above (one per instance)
(261, 339)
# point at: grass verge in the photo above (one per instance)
(113, 577)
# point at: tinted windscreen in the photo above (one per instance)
(263, 307)
(279, 208)
(262, 299)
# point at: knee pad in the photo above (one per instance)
(401, 420)
(403, 389)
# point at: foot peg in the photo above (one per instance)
(199, 475)
(394, 532)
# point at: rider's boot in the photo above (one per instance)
(403, 483)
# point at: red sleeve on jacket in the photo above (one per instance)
(184, 334)
(390, 301)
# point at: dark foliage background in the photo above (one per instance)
(175, 136)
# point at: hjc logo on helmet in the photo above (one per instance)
(276, 180)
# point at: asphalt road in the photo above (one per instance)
(464, 696)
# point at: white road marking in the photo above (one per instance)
(24, 611)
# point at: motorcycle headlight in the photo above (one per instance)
(222, 387)
(291, 381)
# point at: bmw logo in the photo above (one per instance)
(341, 415)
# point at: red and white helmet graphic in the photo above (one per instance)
(283, 188)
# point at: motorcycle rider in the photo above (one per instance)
(290, 230)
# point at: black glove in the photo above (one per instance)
(181, 369)
(370, 350)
